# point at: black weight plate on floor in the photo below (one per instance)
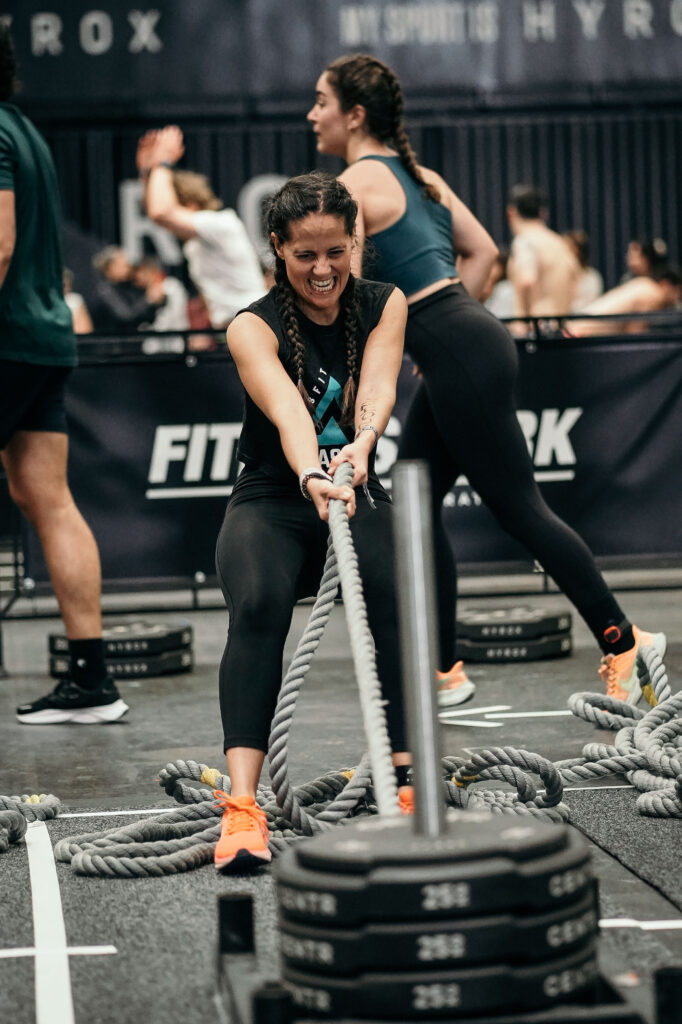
(125, 639)
(467, 835)
(499, 938)
(444, 993)
(515, 622)
(456, 884)
(557, 646)
(134, 668)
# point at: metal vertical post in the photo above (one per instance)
(418, 633)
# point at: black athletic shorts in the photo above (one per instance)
(31, 398)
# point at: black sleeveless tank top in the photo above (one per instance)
(266, 470)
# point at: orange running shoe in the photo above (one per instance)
(454, 687)
(619, 671)
(243, 843)
(406, 799)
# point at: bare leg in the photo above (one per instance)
(35, 464)
(244, 766)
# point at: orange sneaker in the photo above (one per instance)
(243, 843)
(619, 671)
(454, 687)
(406, 799)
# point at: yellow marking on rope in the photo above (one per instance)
(34, 798)
(462, 781)
(210, 776)
(349, 773)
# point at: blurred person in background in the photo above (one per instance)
(159, 286)
(647, 293)
(645, 257)
(590, 282)
(221, 259)
(542, 267)
(80, 314)
(118, 304)
(37, 353)
(497, 294)
(173, 315)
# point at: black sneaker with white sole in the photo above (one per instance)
(69, 702)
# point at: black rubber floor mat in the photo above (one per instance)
(649, 847)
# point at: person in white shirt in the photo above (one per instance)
(221, 259)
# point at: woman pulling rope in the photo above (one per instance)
(319, 358)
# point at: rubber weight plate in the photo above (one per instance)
(557, 646)
(377, 870)
(501, 938)
(445, 993)
(134, 668)
(518, 622)
(129, 638)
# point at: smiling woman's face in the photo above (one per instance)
(317, 257)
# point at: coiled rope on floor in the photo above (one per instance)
(17, 811)
(647, 751)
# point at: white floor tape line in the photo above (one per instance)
(531, 714)
(54, 1001)
(21, 951)
(115, 814)
(646, 926)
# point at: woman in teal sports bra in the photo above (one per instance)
(413, 231)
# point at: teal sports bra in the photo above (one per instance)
(417, 250)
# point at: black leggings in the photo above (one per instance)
(463, 420)
(271, 553)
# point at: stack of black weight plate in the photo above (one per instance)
(491, 917)
(134, 650)
(516, 633)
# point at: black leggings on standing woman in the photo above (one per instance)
(271, 552)
(463, 420)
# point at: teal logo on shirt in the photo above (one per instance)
(326, 412)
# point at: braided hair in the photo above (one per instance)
(365, 80)
(318, 192)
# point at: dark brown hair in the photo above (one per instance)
(365, 80)
(317, 192)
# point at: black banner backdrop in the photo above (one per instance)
(153, 457)
(225, 50)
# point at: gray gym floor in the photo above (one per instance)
(146, 949)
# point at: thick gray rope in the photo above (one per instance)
(646, 751)
(17, 811)
(341, 565)
(362, 648)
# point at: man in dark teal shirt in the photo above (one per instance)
(37, 352)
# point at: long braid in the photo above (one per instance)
(351, 316)
(409, 161)
(400, 138)
(287, 312)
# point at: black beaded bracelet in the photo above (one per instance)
(310, 474)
